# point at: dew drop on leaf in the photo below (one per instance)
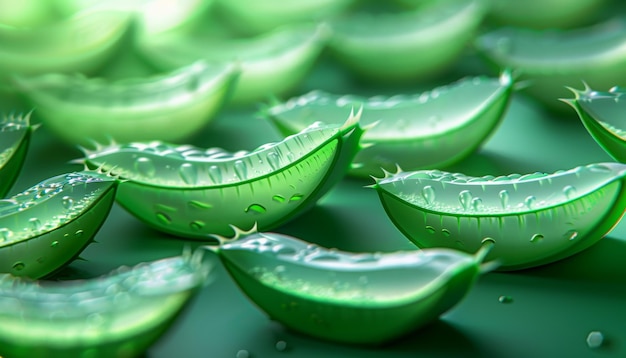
(145, 167)
(188, 174)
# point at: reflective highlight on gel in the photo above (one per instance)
(118, 315)
(602, 114)
(169, 107)
(559, 58)
(367, 298)
(408, 45)
(47, 226)
(414, 131)
(272, 63)
(15, 136)
(534, 219)
(193, 192)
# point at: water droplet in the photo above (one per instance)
(242, 354)
(35, 224)
(279, 271)
(145, 167)
(429, 194)
(536, 238)
(433, 121)
(530, 201)
(595, 339)
(241, 170)
(5, 234)
(41, 260)
(445, 232)
(67, 202)
(278, 198)
(477, 204)
(296, 197)
(281, 346)
(54, 244)
(19, 266)
(256, 208)
(504, 198)
(571, 234)
(273, 160)
(459, 243)
(79, 233)
(215, 173)
(465, 197)
(430, 229)
(197, 225)
(570, 192)
(599, 168)
(163, 218)
(284, 250)
(188, 174)
(505, 299)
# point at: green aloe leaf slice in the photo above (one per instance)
(554, 59)
(602, 113)
(365, 298)
(81, 43)
(15, 133)
(533, 219)
(153, 17)
(117, 315)
(272, 63)
(48, 225)
(414, 131)
(409, 45)
(193, 192)
(168, 107)
(265, 15)
(544, 14)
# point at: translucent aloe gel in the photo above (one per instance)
(47, 226)
(363, 298)
(117, 315)
(533, 219)
(193, 192)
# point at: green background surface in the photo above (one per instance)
(554, 307)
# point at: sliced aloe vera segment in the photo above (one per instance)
(153, 17)
(48, 225)
(266, 15)
(15, 133)
(543, 14)
(533, 219)
(168, 107)
(554, 59)
(602, 113)
(118, 315)
(25, 12)
(272, 63)
(193, 192)
(366, 298)
(81, 43)
(409, 45)
(414, 131)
